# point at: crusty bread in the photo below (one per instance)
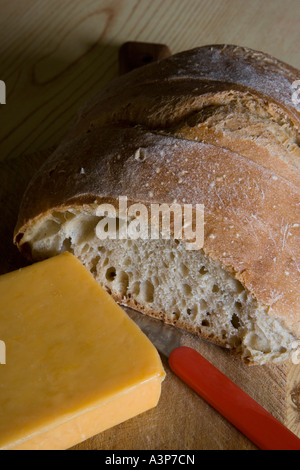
(214, 126)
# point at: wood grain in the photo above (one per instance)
(53, 56)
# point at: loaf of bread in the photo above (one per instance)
(216, 126)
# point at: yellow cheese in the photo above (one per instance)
(75, 363)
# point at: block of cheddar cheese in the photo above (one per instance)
(75, 363)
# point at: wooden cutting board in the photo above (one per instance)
(50, 66)
(182, 420)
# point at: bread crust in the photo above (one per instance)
(251, 208)
(165, 92)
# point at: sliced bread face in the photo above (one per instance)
(163, 279)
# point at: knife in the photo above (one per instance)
(259, 426)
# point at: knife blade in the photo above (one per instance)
(250, 418)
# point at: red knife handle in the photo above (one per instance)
(266, 432)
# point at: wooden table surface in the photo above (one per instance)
(53, 55)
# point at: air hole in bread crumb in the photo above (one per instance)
(205, 323)
(127, 261)
(203, 271)
(235, 321)
(111, 274)
(62, 217)
(192, 311)
(203, 305)
(67, 245)
(51, 228)
(123, 282)
(135, 289)
(183, 269)
(238, 305)
(147, 291)
(215, 289)
(239, 288)
(94, 265)
(235, 341)
(187, 290)
(85, 249)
